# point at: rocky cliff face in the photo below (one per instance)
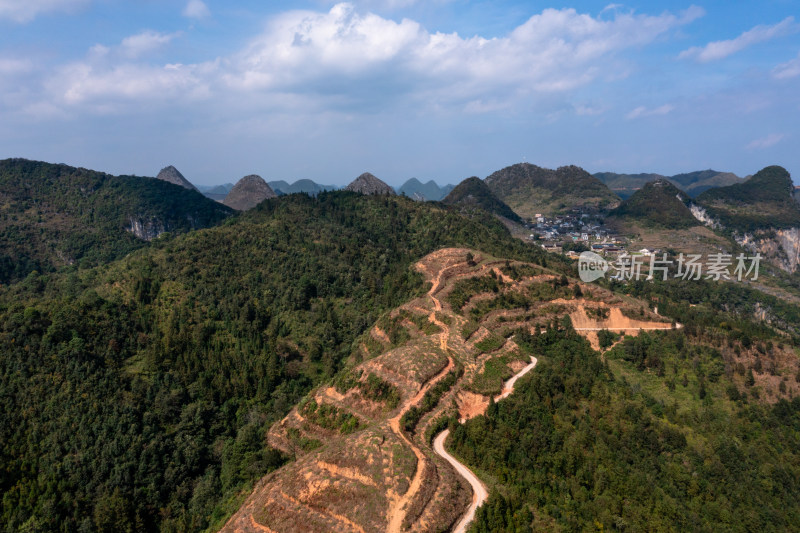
(702, 215)
(146, 230)
(780, 247)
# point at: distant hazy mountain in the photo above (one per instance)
(305, 185)
(473, 192)
(657, 204)
(170, 174)
(429, 191)
(216, 192)
(693, 183)
(366, 183)
(763, 201)
(528, 189)
(55, 215)
(248, 192)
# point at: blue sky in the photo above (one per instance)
(436, 89)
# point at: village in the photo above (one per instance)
(577, 232)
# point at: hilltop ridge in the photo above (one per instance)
(530, 190)
(368, 184)
(248, 192)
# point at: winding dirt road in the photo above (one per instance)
(479, 492)
(397, 511)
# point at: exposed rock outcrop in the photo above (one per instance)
(146, 230)
(702, 215)
(780, 247)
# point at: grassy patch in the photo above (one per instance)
(465, 289)
(411, 417)
(490, 344)
(379, 390)
(506, 300)
(469, 329)
(344, 381)
(330, 417)
(489, 382)
(519, 271)
(301, 441)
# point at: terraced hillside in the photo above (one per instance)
(363, 445)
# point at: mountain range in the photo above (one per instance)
(412, 188)
(429, 191)
(311, 362)
(692, 183)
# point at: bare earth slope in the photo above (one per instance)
(364, 449)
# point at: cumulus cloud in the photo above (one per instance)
(552, 51)
(765, 142)
(588, 110)
(196, 9)
(145, 42)
(642, 111)
(342, 57)
(790, 69)
(26, 10)
(113, 74)
(11, 66)
(85, 83)
(721, 49)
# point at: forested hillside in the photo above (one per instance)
(686, 430)
(762, 202)
(658, 204)
(136, 396)
(529, 189)
(57, 215)
(473, 193)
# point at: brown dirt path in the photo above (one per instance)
(397, 511)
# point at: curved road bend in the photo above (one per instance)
(479, 492)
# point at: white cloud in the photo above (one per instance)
(342, 59)
(196, 9)
(145, 42)
(553, 51)
(722, 49)
(642, 111)
(85, 83)
(10, 66)
(765, 142)
(589, 110)
(26, 10)
(790, 69)
(611, 7)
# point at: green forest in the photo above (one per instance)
(56, 215)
